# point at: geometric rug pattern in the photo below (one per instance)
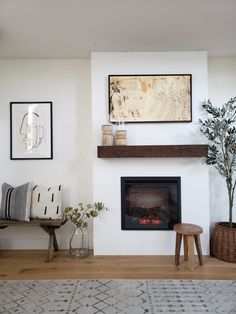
(118, 296)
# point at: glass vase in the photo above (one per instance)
(79, 242)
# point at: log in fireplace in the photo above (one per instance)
(150, 203)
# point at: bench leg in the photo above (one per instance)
(50, 248)
(52, 242)
(55, 245)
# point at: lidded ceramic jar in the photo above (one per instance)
(107, 136)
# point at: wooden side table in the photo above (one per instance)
(190, 233)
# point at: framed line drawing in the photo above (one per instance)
(150, 98)
(31, 130)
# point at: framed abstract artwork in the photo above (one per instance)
(150, 98)
(31, 130)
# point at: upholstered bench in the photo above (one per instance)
(48, 225)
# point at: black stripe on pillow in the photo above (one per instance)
(34, 187)
(8, 203)
(38, 197)
(52, 197)
(45, 210)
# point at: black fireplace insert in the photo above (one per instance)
(150, 203)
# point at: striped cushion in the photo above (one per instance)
(46, 202)
(15, 204)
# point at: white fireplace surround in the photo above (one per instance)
(109, 239)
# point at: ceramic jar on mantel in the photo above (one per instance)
(121, 138)
(107, 136)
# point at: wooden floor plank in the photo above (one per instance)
(30, 264)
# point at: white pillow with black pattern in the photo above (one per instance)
(46, 202)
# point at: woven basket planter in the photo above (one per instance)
(223, 242)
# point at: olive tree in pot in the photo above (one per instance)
(220, 130)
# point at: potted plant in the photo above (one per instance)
(79, 216)
(220, 130)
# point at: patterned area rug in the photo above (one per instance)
(118, 296)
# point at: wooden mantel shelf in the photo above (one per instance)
(146, 151)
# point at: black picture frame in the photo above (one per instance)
(150, 98)
(31, 130)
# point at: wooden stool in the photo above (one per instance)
(190, 232)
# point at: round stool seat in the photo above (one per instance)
(188, 229)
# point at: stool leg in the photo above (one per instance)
(199, 249)
(191, 252)
(185, 248)
(177, 248)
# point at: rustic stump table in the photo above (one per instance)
(190, 233)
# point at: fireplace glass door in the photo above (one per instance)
(150, 203)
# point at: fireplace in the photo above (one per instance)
(150, 203)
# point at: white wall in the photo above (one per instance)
(222, 87)
(108, 236)
(67, 84)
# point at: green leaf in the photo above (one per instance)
(80, 215)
